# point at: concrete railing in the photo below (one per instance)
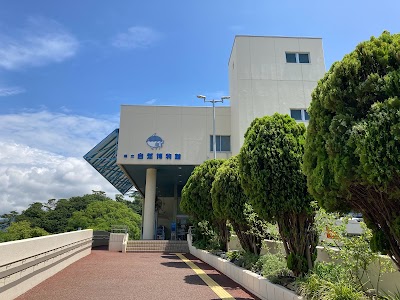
(26, 263)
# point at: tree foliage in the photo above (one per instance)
(7, 219)
(352, 157)
(196, 197)
(101, 215)
(21, 230)
(136, 204)
(53, 216)
(270, 168)
(230, 202)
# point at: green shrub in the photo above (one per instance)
(342, 291)
(272, 266)
(329, 281)
(204, 236)
(392, 295)
(247, 260)
(232, 255)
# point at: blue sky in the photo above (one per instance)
(67, 66)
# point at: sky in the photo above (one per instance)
(66, 67)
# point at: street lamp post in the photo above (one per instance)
(213, 101)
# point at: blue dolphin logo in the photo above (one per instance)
(155, 142)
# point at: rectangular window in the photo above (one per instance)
(304, 58)
(291, 58)
(306, 115)
(296, 114)
(297, 58)
(223, 143)
(299, 114)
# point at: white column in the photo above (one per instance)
(149, 204)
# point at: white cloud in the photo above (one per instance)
(136, 37)
(151, 102)
(28, 175)
(60, 133)
(11, 91)
(43, 41)
(41, 157)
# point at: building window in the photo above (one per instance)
(223, 143)
(297, 58)
(299, 114)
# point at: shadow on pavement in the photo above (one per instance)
(178, 264)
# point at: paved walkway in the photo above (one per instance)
(113, 275)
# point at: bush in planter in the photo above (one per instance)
(232, 256)
(273, 267)
(329, 281)
(196, 199)
(230, 202)
(204, 236)
(352, 253)
(352, 154)
(270, 169)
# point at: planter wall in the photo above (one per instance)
(254, 283)
(389, 282)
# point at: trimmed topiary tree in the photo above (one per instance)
(230, 202)
(270, 169)
(352, 155)
(196, 198)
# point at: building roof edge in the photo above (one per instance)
(269, 36)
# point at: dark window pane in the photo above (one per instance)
(295, 114)
(225, 143)
(291, 57)
(304, 58)
(218, 141)
(306, 115)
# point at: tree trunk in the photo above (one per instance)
(223, 234)
(382, 210)
(299, 240)
(249, 242)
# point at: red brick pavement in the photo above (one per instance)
(113, 275)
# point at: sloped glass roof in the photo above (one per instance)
(103, 157)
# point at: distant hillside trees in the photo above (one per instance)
(55, 216)
(21, 230)
(101, 215)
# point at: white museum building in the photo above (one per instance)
(156, 148)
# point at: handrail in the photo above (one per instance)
(60, 250)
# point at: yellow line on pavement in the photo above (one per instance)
(207, 279)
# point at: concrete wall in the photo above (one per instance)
(26, 263)
(118, 242)
(185, 130)
(262, 83)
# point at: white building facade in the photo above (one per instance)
(157, 147)
(271, 74)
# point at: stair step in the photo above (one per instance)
(157, 246)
